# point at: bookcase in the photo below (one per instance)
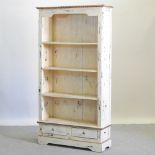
(75, 76)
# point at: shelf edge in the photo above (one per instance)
(71, 125)
(50, 94)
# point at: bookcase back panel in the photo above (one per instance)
(74, 28)
(74, 83)
(83, 57)
(69, 109)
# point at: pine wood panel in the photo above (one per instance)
(69, 109)
(75, 83)
(75, 25)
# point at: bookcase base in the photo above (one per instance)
(96, 147)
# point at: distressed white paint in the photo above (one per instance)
(68, 110)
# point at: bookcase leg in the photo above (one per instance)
(100, 147)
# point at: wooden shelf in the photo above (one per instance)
(67, 43)
(63, 95)
(69, 123)
(70, 69)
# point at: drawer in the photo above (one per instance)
(105, 134)
(84, 133)
(55, 130)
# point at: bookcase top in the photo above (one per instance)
(75, 6)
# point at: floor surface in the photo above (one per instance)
(126, 140)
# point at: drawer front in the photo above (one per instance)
(55, 130)
(84, 133)
(105, 134)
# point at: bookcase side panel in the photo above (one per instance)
(104, 67)
(45, 59)
(40, 63)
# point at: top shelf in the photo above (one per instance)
(68, 43)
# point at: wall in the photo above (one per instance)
(133, 99)
(18, 62)
(133, 61)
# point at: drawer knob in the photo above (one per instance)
(83, 133)
(52, 129)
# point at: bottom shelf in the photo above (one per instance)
(69, 123)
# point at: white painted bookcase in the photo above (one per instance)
(75, 76)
